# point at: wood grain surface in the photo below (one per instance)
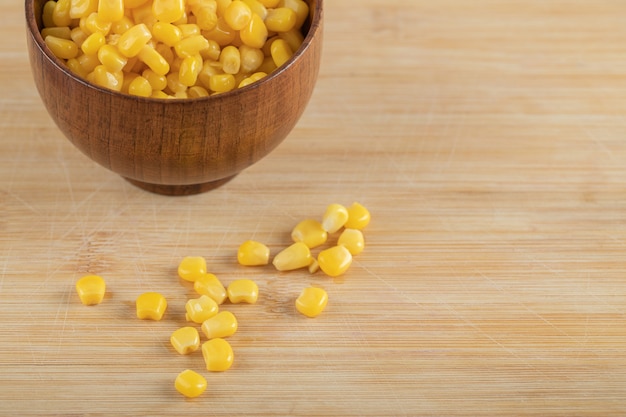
(487, 138)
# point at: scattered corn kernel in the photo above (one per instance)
(210, 286)
(253, 253)
(280, 19)
(310, 232)
(230, 58)
(312, 301)
(218, 355)
(190, 383)
(151, 306)
(243, 291)
(201, 308)
(110, 10)
(191, 268)
(358, 217)
(62, 48)
(255, 33)
(185, 340)
(133, 40)
(140, 87)
(91, 289)
(168, 11)
(223, 324)
(334, 218)
(314, 267)
(295, 256)
(238, 14)
(300, 7)
(92, 44)
(353, 240)
(111, 58)
(61, 13)
(334, 261)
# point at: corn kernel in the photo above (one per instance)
(61, 13)
(185, 340)
(280, 19)
(190, 383)
(237, 15)
(143, 14)
(251, 79)
(223, 324)
(257, 8)
(334, 218)
(295, 256)
(111, 58)
(189, 29)
(140, 87)
(174, 84)
(314, 266)
(210, 286)
(221, 33)
(201, 308)
(110, 10)
(78, 35)
(167, 33)
(112, 80)
(281, 52)
(62, 48)
(197, 91)
(122, 25)
(133, 40)
(310, 232)
(92, 44)
(267, 66)
(218, 355)
(47, 13)
(60, 32)
(206, 19)
(358, 217)
(253, 253)
(293, 37)
(76, 68)
(230, 60)
(250, 59)
(243, 291)
(191, 46)
(189, 70)
(300, 7)
(334, 261)
(221, 83)
(157, 82)
(254, 34)
(312, 301)
(88, 62)
(82, 8)
(93, 23)
(191, 268)
(151, 306)
(353, 240)
(91, 289)
(168, 11)
(221, 5)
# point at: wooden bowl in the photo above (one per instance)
(182, 146)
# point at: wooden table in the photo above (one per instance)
(487, 138)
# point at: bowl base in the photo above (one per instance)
(180, 190)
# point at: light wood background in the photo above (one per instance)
(488, 139)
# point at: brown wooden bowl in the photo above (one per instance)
(182, 146)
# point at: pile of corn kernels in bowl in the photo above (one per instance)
(217, 324)
(173, 48)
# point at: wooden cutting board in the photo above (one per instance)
(487, 138)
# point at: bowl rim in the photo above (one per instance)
(315, 18)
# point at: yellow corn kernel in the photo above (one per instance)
(254, 34)
(312, 301)
(189, 70)
(230, 60)
(189, 29)
(78, 35)
(197, 91)
(76, 68)
(110, 10)
(281, 19)
(62, 48)
(93, 23)
(60, 32)
(281, 52)
(140, 87)
(257, 8)
(310, 232)
(191, 46)
(92, 44)
(237, 15)
(267, 66)
(157, 82)
(353, 240)
(61, 13)
(334, 218)
(358, 217)
(293, 37)
(223, 324)
(160, 94)
(221, 5)
(242, 291)
(167, 33)
(82, 8)
(201, 308)
(313, 268)
(111, 58)
(129, 77)
(218, 355)
(221, 83)
(253, 253)
(122, 25)
(88, 62)
(185, 340)
(143, 14)
(151, 306)
(154, 60)
(210, 286)
(251, 79)
(212, 52)
(190, 383)
(334, 261)
(102, 76)
(175, 86)
(133, 40)
(168, 11)
(296, 256)
(91, 289)
(221, 33)
(47, 13)
(250, 58)
(206, 19)
(300, 7)
(165, 51)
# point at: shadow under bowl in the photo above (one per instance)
(176, 146)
